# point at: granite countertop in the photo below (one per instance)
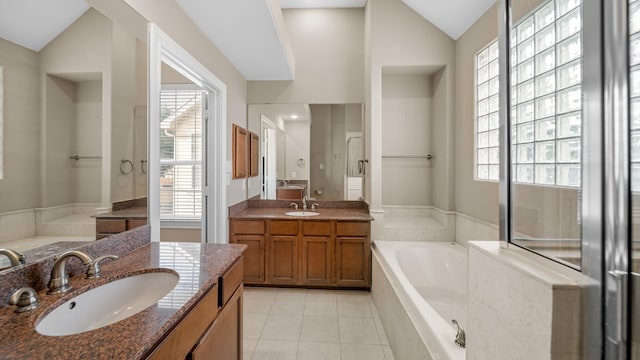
(136, 212)
(199, 266)
(325, 214)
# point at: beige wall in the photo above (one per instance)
(88, 142)
(478, 199)
(329, 51)
(21, 128)
(297, 147)
(399, 37)
(175, 23)
(406, 130)
(59, 144)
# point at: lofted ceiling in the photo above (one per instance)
(34, 23)
(251, 34)
(453, 17)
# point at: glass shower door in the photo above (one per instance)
(634, 176)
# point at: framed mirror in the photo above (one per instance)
(313, 150)
(74, 131)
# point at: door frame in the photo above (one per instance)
(163, 49)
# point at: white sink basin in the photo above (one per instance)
(302, 213)
(107, 304)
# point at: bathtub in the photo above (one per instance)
(419, 287)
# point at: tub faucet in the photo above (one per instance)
(461, 338)
(59, 281)
(15, 257)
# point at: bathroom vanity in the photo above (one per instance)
(201, 316)
(329, 250)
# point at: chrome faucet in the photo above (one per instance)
(15, 257)
(295, 206)
(59, 281)
(461, 338)
(314, 206)
(304, 202)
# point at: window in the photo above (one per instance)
(546, 115)
(181, 125)
(487, 118)
(546, 97)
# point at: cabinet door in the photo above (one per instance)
(223, 340)
(283, 259)
(316, 260)
(253, 257)
(353, 258)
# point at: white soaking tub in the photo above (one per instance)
(419, 287)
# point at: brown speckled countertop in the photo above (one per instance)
(324, 214)
(199, 266)
(137, 212)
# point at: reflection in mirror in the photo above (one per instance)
(315, 150)
(1, 112)
(546, 124)
(74, 141)
(181, 152)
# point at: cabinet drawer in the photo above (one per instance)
(284, 228)
(248, 227)
(316, 228)
(180, 340)
(111, 226)
(352, 229)
(230, 281)
(134, 223)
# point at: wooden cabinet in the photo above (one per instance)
(305, 252)
(109, 226)
(252, 234)
(239, 152)
(223, 340)
(289, 194)
(353, 254)
(283, 252)
(317, 255)
(212, 329)
(254, 155)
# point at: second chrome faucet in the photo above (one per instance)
(59, 282)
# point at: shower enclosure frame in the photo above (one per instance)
(605, 208)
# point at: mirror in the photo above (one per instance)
(315, 150)
(74, 141)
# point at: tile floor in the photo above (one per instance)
(306, 324)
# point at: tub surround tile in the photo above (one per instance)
(400, 330)
(517, 305)
(16, 225)
(130, 338)
(36, 274)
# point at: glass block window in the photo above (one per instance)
(546, 96)
(487, 118)
(634, 91)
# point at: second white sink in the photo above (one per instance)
(302, 213)
(107, 304)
